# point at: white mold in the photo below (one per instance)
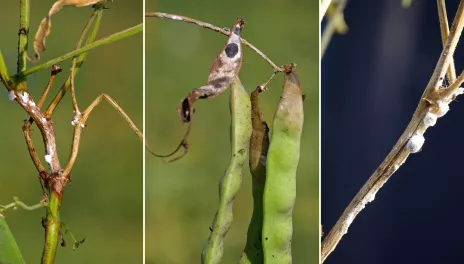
(415, 143)
(48, 159)
(430, 119)
(24, 97)
(443, 108)
(11, 95)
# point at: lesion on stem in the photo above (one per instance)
(432, 105)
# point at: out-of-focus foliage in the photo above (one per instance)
(104, 203)
(182, 197)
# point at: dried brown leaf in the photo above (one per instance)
(46, 23)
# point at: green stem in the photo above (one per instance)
(229, 185)
(23, 34)
(112, 38)
(18, 203)
(52, 226)
(4, 75)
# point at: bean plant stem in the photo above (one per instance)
(324, 5)
(23, 34)
(444, 28)
(399, 153)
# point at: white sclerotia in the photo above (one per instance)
(48, 159)
(415, 143)
(430, 119)
(443, 108)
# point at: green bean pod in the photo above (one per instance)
(9, 251)
(282, 162)
(259, 144)
(231, 180)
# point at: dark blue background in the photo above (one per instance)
(372, 79)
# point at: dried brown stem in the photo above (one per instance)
(433, 94)
(335, 23)
(55, 70)
(324, 5)
(444, 28)
(214, 28)
(82, 119)
(30, 146)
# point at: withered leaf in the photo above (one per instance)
(46, 23)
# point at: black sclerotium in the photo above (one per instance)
(231, 50)
(237, 30)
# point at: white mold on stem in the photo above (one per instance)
(48, 159)
(11, 95)
(24, 97)
(443, 108)
(347, 223)
(415, 143)
(430, 119)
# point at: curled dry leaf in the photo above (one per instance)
(223, 72)
(46, 23)
(225, 68)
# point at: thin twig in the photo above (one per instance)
(324, 5)
(434, 97)
(335, 23)
(79, 59)
(18, 203)
(80, 123)
(214, 28)
(55, 70)
(30, 146)
(444, 28)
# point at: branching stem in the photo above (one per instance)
(433, 94)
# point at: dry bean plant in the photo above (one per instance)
(53, 176)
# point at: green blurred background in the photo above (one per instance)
(104, 203)
(182, 197)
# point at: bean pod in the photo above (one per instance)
(259, 145)
(282, 162)
(231, 180)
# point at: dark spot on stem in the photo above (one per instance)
(231, 50)
(237, 30)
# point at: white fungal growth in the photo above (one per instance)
(11, 95)
(347, 223)
(24, 97)
(459, 91)
(430, 119)
(76, 121)
(32, 104)
(370, 198)
(44, 120)
(415, 143)
(176, 18)
(443, 108)
(48, 159)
